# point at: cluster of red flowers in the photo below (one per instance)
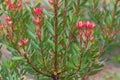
(24, 42)
(12, 6)
(87, 29)
(38, 13)
(38, 21)
(9, 21)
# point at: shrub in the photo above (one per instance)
(64, 41)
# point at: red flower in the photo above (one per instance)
(92, 38)
(7, 1)
(93, 26)
(51, 1)
(19, 4)
(38, 11)
(12, 6)
(20, 44)
(80, 25)
(27, 3)
(25, 41)
(9, 21)
(88, 25)
(7, 18)
(1, 27)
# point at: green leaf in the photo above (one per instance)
(17, 58)
(34, 45)
(31, 34)
(50, 28)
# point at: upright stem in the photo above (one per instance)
(56, 35)
(113, 17)
(77, 8)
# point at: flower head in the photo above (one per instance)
(1, 27)
(80, 25)
(51, 1)
(38, 11)
(90, 25)
(7, 18)
(19, 4)
(9, 21)
(92, 38)
(25, 41)
(20, 44)
(12, 6)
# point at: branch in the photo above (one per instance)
(56, 35)
(38, 71)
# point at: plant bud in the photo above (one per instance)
(27, 3)
(51, 1)
(19, 4)
(1, 27)
(10, 23)
(37, 21)
(88, 25)
(25, 41)
(93, 26)
(85, 32)
(12, 6)
(80, 25)
(20, 44)
(7, 18)
(92, 38)
(38, 11)
(7, 1)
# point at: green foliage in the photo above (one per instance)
(53, 49)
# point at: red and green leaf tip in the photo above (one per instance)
(9, 21)
(86, 29)
(24, 42)
(38, 21)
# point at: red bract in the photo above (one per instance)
(25, 41)
(12, 6)
(51, 1)
(92, 38)
(37, 21)
(7, 1)
(38, 11)
(9, 21)
(93, 26)
(27, 3)
(88, 25)
(87, 33)
(1, 27)
(19, 4)
(7, 18)
(20, 44)
(86, 28)
(80, 25)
